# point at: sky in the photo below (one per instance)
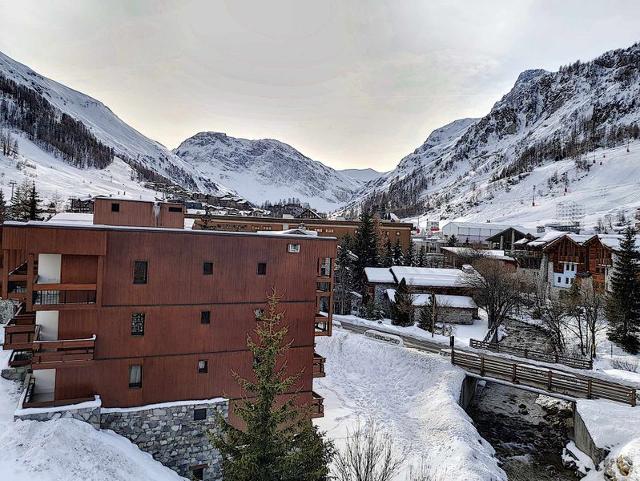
(350, 83)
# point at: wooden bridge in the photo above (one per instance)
(508, 367)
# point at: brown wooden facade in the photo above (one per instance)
(324, 227)
(189, 273)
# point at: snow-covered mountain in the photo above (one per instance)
(548, 122)
(361, 175)
(146, 156)
(266, 169)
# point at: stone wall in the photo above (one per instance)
(584, 441)
(171, 435)
(89, 414)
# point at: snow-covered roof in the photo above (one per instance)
(188, 223)
(295, 231)
(72, 217)
(546, 238)
(429, 276)
(467, 251)
(483, 225)
(444, 300)
(379, 275)
(612, 241)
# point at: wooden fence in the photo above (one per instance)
(574, 362)
(539, 377)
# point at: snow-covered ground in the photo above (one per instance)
(66, 449)
(412, 396)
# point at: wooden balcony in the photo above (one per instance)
(19, 334)
(20, 359)
(62, 353)
(31, 399)
(573, 259)
(317, 405)
(61, 296)
(318, 365)
(321, 323)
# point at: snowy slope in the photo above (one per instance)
(413, 397)
(266, 169)
(361, 175)
(469, 167)
(127, 143)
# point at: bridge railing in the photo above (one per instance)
(570, 361)
(543, 378)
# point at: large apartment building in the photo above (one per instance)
(136, 310)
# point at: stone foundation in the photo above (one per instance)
(88, 412)
(171, 435)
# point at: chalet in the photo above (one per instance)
(308, 213)
(567, 258)
(602, 251)
(125, 317)
(506, 239)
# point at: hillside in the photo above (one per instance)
(266, 169)
(548, 122)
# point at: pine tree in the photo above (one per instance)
(397, 256)
(3, 207)
(365, 247)
(623, 303)
(409, 258)
(33, 203)
(387, 254)
(278, 443)
(343, 277)
(453, 240)
(403, 305)
(422, 257)
(428, 316)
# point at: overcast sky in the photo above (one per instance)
(350, 83)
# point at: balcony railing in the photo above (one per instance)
(19, 334)
(20, 359)
(318, 365)
(57, 297)
(321, 325)
(62, 353)
(31, 399)
(317, 405)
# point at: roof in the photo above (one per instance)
(483, 225)
(519, 230)
(379, 275)
(579, 239)
(459, 302)
(612, 241)
(467, 251)
(429, 276)
(290, 232)
(81, 225)
(72, 217)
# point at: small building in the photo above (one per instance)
(451, 309)
(506, 239)
(474, 232)
(457, 257)
(568, 259)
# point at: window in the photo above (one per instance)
(559, 279)
(115, 207)
(566, 280)
(175, 209)
(197, 472)
(199, 414)
(262, 269)
(135, 376)
(293, 248)
(259, 313)
(203, 366)
(137, 324)
(140, 272)
(205, 317)
(207, 268)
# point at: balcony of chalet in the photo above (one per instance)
(20, 331)
(17, 282)
(40, 395)
(318, 365)
(63, 296)
(62, 353)
(317, 405)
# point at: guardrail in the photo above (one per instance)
(543, 378)
(62, 353)
(574, 362)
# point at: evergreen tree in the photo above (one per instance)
(387, 254)
(403, 306)
(33, 203)
(453, 240)
(422, 257)
(397, 256)
(429, 316)
(344, 277)
(409, 258)
(3, 207)
(623, 303)
(365, 247)
(372, 311)
(279, 442)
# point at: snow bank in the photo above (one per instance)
(413, 396)
(610, 424)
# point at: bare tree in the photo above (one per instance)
(593, 305)
(496, 289)
(554, 316)
(368, 456)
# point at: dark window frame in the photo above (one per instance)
(137, 385)
(207, 268)
(175, 209)
(200, 414)
(135, 322)
(205, 369)
(115, 206)
(205, 317)
(197, 472)
(137, 279)
(262, 269)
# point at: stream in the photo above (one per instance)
(528, 431)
